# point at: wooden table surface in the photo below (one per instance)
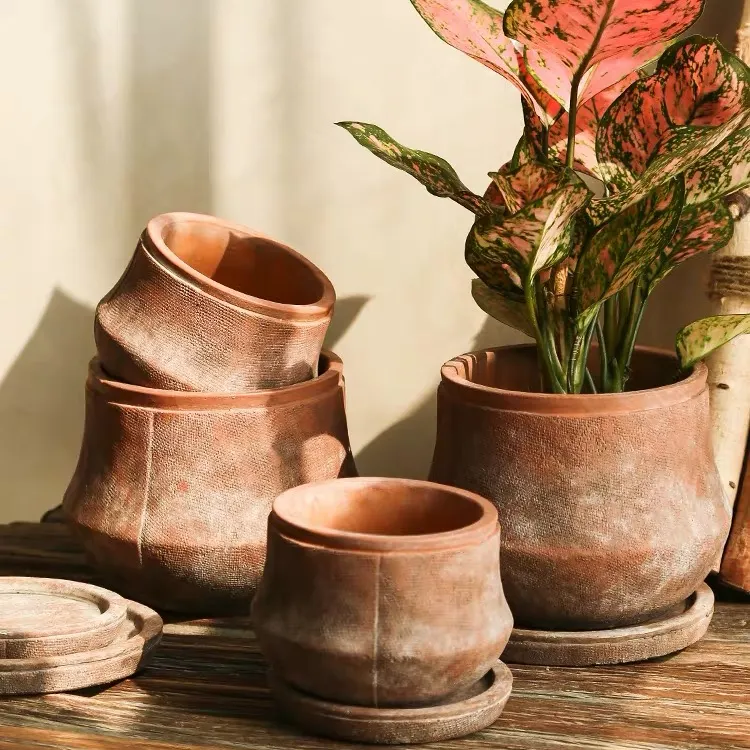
(205, 688)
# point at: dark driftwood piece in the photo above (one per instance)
(661, 636)
(205, 687)
(51, 617)
(476, 708)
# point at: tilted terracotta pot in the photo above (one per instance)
(611, 505)
(206, 305)
(172, 490)
(381, 592)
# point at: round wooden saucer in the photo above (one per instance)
(139, 634)
(659, 637)
(51, 617)
(469, 712)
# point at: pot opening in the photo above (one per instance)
(515, 368)
(381, 509)
(255, 266)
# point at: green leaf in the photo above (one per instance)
(536, 237)
(619, 252)
(724, 171)
(702, 228)
(510, 311)
(697, 340)
(434, 173)
(682, 148)
(526, 184)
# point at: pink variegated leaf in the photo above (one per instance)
(724, 171)
(587, 126)
(702, 228)
(535, 238)
(618, 252)
(434, 173)
(697, 83)
(697, 340)
(524, 185)
(508, 310)
(476, 29)
(595, 42)
(680, 149)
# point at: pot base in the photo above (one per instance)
(475, 709)
(665, 635)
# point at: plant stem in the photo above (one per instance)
(542, 347)
(590, 381)
(610, 323)
(635, 316)
(604, 374)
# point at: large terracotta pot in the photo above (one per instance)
(172, 490)
(206, 305)
(611, 505)
(381, 592)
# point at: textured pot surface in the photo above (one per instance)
(172, 490)
(207, 305)
(611, 505)
(381, 592)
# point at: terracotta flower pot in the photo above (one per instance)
(611, 505)
(172, 490)
(381, 592)
(206, 305)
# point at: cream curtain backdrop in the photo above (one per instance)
(116, 110)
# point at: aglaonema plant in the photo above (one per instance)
(633, 143)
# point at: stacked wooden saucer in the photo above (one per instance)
(58, 635)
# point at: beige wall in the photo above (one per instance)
(115, 110)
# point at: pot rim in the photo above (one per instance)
(120, 392)
(454, 383)
(353, 541)
(153, 241)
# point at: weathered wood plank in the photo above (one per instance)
(205, 688)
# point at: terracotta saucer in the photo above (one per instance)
(469, 712)
(138, 636)
(52, 617)
(665, 635)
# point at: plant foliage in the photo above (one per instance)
(556, 256)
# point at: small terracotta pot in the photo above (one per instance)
(381, 592)
(172, 490)
(611, 505)
(206, 305)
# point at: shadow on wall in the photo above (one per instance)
(41, 402)
(405, 449)
(168, 152)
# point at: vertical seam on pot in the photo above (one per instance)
(375, 634)
(146, 489)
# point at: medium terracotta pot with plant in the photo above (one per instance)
(381, 593)
(612, 506)
(207, 305)
(579, 471)
(172, 490)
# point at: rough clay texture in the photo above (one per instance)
(51, 617)
(128, 651)
(172, 502)
(396, 629)
(464, 714)
(663, 635)
(608, 519)
(161, 328)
